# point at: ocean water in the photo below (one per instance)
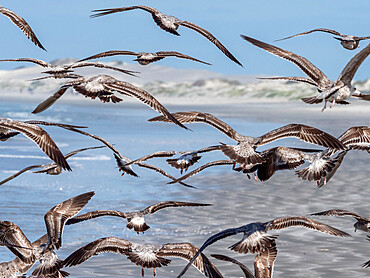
(236, 200)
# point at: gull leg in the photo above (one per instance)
(142, 272)
(332, 104)
(234, 165)
(154, 273)
(249, 177)
(322, 110)
(255, 177)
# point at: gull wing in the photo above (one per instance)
(123, 9)
(100, 65)
(143, 96)
(292, 78)
(13, 237)
(201, 168)
(153, 155)
(211, 38)
(306, 66)
(20, 172)
(351, 68)
(110, 53)
(159, 170)
(200, 117)
(305, 133)
(178, 55)
(186, 251)
(22, 24)
(314, 30)
(41, 138)
(290, 221)
(166, 204)
(49, 101)
(102, 245)
(356, 137)
(247, 272)
(95, 214)
(31, 60)
(56, 217)
(340, 212)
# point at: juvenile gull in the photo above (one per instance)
(122, 160)
(64, 71)
(244, 152)
(144, 58)
(362, 223)
(104, 87)
(144, 255)
(55, 219)
(135, 219)
(171, 24)
(50, 169)
(22, 25)
(255, 237)
(329, 91)
(36, 134)
(349, 42)
(276, 159)
(187, 158)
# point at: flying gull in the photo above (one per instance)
(329, 91)
(255, 237)
(347, 41)
(171, 24)
(144, 255)
(104, 87)
(135, 219)
(244, 152)
(144, 58)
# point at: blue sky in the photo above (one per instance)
(65, 29)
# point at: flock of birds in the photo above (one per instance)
(244, 157)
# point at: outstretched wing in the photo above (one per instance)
(356, 137)
(117, 10)
(209, 241)
(290, 221)
(109, 53)
(166, 204)
(314, 30)
(162, 172)
(178, 55)
(20, 172)
(102, 245)
(292, 78)
(41, 138)
(201, 168)
(306, 66)
(199, 117)
(246, 270)
(31, 60)
(339, 212)
(13, 237)
(142, 95)
(95, 214)
(100, 65)
(186, 251)
(152, 155)
(211, 38)
(57, 216)
(22, 24)
(305, 133)
(49, 101)
(351, 68)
